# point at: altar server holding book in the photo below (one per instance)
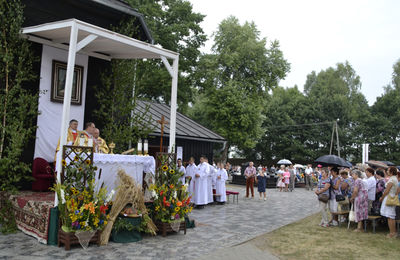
(201, 183)
(221, 177)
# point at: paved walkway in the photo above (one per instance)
(220, 232)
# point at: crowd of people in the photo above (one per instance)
(363, 190)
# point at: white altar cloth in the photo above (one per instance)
(133, 165)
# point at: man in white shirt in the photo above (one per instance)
(371, 184)
(308, 177)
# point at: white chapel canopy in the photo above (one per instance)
(79, 37)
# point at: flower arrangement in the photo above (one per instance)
(82, 208)
(170, 197)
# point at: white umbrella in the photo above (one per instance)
(284, 162)
(299, 166)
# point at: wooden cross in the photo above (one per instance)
(162, 122)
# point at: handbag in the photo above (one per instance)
(340, 197)
(352, 216)
(392, 201)
(323, 198)
(343, 202)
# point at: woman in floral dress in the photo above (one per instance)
(360, 199)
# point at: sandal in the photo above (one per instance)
(394, 235)
(358, 230)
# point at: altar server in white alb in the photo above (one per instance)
(181, 169)
(200, 185)
(190, 172)
(221, 178)
(211, 174)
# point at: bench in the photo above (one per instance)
(373, 219)
(234, 194)
(341, 213)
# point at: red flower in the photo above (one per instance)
(161, 193)
(167, 204)
(164, 199)
(103, 209)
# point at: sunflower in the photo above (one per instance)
(64, 163)
(171, 171)
(76, 158)
(87, 162)
(177, 209)
(165, 168)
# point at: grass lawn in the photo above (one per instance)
(305, 239)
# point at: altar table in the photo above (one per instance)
(110, 164)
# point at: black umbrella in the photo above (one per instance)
(388, 163)
(333, 160)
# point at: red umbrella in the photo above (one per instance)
(377, 164)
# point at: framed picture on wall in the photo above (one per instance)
(59, 74)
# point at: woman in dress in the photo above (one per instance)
(281, 183)
(286, 179)
(380, 187)
(261, 184)
(359, 199)
(390, 211)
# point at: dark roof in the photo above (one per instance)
(103, 13)
(186, 128)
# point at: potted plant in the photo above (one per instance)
(171, 201)
(83, 207)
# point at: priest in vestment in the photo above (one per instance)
(190, 172)
(201, 183)
(71, 136)
(100, 145)
(85, 137)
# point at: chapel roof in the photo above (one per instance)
(186, 128)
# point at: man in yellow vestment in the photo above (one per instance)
(85, 137)
(71, 136)
(100, 145)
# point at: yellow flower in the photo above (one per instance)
(76, 158)
(105, 222)
(171, 171)
(64, 163)
(157, 208)
(165, 168)
(177, 209)
(87, 162)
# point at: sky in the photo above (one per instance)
(317, 34)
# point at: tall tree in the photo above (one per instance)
(234, 81)
(18, 104)
(176, 27)
(334, 94)
(384, 126)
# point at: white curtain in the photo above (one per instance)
(49, 119)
